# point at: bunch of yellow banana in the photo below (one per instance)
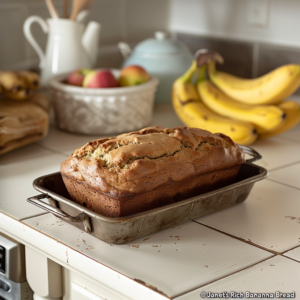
(243, 109)
(18, 85)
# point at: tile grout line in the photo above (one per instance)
(41, 214)
(285, 166)
(291, 258)
(250, 242)
(210, 282)
(287, 185)
(282, 253)
(240, 239)
(45, 147)
(50, 149)
(69, 247)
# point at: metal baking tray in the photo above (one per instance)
(124, 229)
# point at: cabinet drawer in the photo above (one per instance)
(77, 287)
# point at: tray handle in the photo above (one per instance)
(83, 218)
(255, 155)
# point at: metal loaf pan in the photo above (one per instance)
(125, 229)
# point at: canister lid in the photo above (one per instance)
(160, 44)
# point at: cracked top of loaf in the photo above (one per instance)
(140, 161)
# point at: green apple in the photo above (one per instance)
(133, 75)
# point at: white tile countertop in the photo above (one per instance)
(253, 246)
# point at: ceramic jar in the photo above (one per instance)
(164, 58)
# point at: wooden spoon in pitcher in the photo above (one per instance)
(78, 5)
(52, 10)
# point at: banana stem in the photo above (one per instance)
(201, 74)
(188, 75)
(211, 68)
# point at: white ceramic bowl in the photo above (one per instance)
(102, 111)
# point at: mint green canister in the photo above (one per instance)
(164, 58)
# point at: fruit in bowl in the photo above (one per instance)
(77, 77)
(129, 76)
(102, 110)
(133, 75)
(100, 79)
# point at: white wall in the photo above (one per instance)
(121, 20)
(229, 19)
(135, 20)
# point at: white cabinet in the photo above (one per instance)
(79, 292)
(52, 281)
(77, 287)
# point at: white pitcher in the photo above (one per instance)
(69, 46)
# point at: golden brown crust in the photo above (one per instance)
(144, 160)
(172, 192)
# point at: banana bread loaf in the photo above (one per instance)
(149, 168)
(21, 123)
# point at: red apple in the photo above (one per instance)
(77, 77)
(100, 79)
(133, 75)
